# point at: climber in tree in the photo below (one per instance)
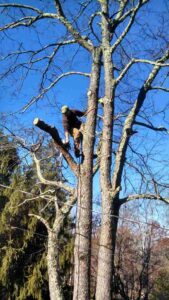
(73, 126)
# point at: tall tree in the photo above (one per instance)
(22, 267)
(128, 59)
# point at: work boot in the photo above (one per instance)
(67, 146)
(77, 152)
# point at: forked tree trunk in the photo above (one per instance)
(53, 267)
(84, 205)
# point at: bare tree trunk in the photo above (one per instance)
(109, 224)
(106, 252)
(83, 240)
(84, 207)
(53, 267)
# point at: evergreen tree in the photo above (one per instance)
(23, 268)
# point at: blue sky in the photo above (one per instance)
(71, 90)
(14, 94)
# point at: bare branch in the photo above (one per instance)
(48, 203)
(65, 209)
(56, 203)
(84, 6)
(127, 129)
(151, 126)
(91, 24)
(83, 41)
(45, 90)
(16, 5)
(32, 199)
(123, 73)
(121, 10)
(35, 52)
(156, 63)
(42, 220)
(21, 191)
(159, 88)
(159, 63)
(43, 196)
(29, 20)
(51, 57)
(130, 23)
(136, 169)
(59, 8)
(135, 60)
(144, 196)
(120, 18)
(58, 184)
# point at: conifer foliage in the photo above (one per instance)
(23, 239)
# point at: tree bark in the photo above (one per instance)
(53, 267)
(109, 207)
(84, 206)
(106, 251)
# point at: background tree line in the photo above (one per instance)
(142, 250)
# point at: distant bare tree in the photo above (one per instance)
(138, 257)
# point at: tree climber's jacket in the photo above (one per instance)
(71, 121)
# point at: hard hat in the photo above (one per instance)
(64, 109)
